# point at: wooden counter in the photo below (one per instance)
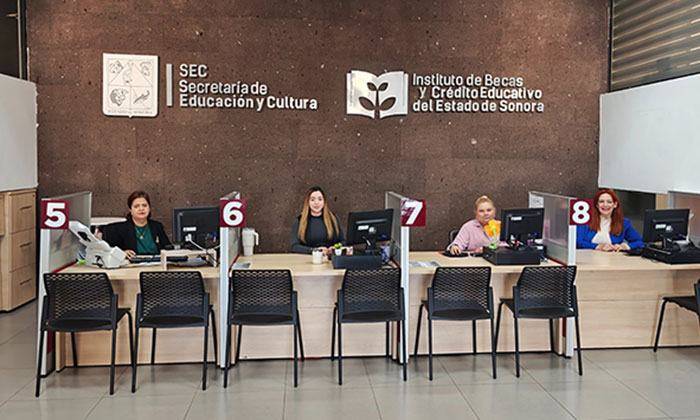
(173, 345)
(619, 300)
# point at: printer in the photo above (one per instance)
(98, 253)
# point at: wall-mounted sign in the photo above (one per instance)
(377, 96)
(232, 213)
(130, 85)
(386, 95)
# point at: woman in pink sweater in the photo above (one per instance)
(472, 237)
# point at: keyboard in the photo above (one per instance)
(156, 259)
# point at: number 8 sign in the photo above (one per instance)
(580, 212)
(232, 213)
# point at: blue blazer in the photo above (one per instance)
(584, 236)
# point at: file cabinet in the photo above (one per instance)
(17, 248)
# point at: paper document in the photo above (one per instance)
(425, 264)
(241, 265)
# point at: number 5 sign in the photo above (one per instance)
(413, 213)
(232, 213)
(54, 214)
(580, 212)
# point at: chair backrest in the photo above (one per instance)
(461, 288)
(371, 290)
(697, 295)
(78, 296)
(261, 292)
(551, 287)
(453, 235)
(172, 293)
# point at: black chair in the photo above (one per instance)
(172, 299)
(453, 235)
(369, 295)
(691, 303)
(543, 293)
(262, 297)
(458, 294)
(77, 302)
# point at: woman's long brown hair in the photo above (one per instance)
(617, 218)
(328, 217)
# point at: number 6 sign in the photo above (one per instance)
(232, 213)
(54, 214)
(580, 212)
(413, 213)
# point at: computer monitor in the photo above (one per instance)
(196, 224)
(665, 225)
(520, 225)
(368, 227)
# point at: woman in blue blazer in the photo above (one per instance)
(608, 229)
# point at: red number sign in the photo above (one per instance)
(232, 213)
(54, 214)
(580, 212)
(413, 213)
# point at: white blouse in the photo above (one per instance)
(603, 234)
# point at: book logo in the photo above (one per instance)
(377, 96)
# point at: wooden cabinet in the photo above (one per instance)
(17, 248)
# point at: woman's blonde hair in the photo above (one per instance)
(329, 218)
(483, 199)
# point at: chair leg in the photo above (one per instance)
(131, 337)
(430, 347)
(204, 357)
(498, 325)
(73, 348)
(493, 349)
(135, 362)
(578, 349)
(111, 365)
(301, 341)
(42, 333)
(214, 336)
(295, 354)
(420, 315)
(387, 340)
(333, 321)
(658, 328)
(551, 335)
(153, 347)
(517, 346)
(227, 356)
(404, 344)
(474, 337)
(340, 353)
(238, 344)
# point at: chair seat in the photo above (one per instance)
(78, 324)
(688, 302)
(540, 312)
(461, 314)
(372, 316)
(172, 321)
(262, 319)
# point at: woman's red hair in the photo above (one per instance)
(617, 219)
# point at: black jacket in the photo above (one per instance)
(123, 234)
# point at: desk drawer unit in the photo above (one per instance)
(17, 248)
(22, 211)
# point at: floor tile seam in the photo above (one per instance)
(189, 406)
(371, 389)
(284, 396)
(99, 400)
(454, 383)
(644, 398)
(554, 398)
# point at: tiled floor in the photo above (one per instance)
(618, 384)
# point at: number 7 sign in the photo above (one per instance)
(413, 213)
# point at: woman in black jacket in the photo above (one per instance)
(139, 235)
